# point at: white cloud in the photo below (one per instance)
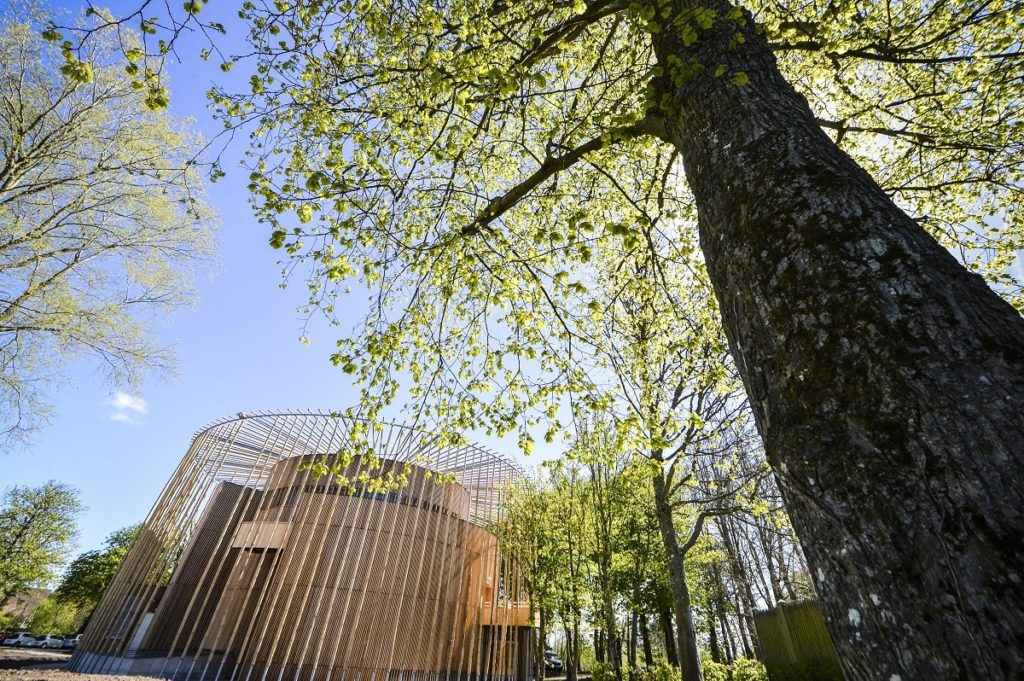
(127, 408)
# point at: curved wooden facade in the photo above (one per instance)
(280, 575)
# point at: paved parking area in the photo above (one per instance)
(16, 658)
(34, 664)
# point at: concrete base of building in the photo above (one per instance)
(162, 667)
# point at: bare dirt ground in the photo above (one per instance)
(34, 664)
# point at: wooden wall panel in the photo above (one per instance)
(375, 585)
(188, 604)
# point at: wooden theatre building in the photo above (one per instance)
(250, 567)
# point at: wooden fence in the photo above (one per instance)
(795, 644)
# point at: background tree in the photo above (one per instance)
(609, 497)
(527, 535)
(88, 575)
(101, 217)
(571, 518)
(53, 616)
(676, 402)
(19, 609)
(37, 525)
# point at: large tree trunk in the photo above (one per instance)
(887, 381)
(686, 634)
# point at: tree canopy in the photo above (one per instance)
(101, 217)
(37, 525)
(88, 575)
(467, 161)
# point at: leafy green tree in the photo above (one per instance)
(37, 525)
(571, 520)
(53, 616)
(88, 575)
(101, 219)
(608, 496)
(677, 405)
(527, 535)
(465, 158)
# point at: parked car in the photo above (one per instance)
(46, 641)
(553, 663)
(71, 642)
(20, 638)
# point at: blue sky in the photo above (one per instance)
(238, 350)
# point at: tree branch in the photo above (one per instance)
(698, 526)
(554, 165)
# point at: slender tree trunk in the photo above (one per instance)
(612, 634)
(610, 652)
(686, 635)
(713, 647)
(570, 658)
(670, 639)
(730, 647)
(598, 646)
(746, 637)
(575, 649)
(767, 548)
(542, 636)
(887, 380)
(744, 592)
(645, 638)
(634, 625)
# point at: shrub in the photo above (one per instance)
(602, 671)
(715, 671)
(658, 672)
(746, 669)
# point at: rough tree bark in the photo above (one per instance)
(887, 381)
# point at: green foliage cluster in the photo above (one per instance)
(602, 671)
(53, 616)
(37, 526)
(656, 672)
(88, 575)
(101, 217)
(476, 165)
(742, 669)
